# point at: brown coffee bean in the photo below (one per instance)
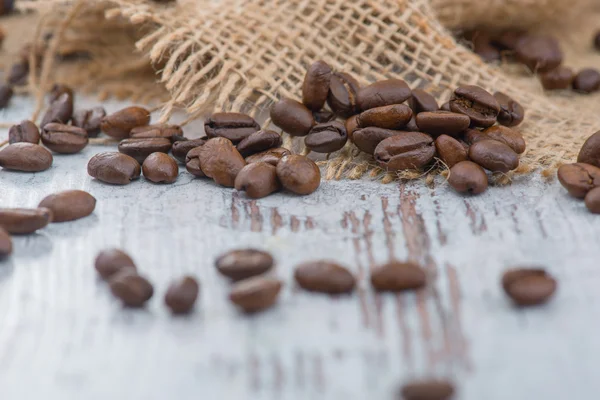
(325, 277)
(58, 90)
(182, 294)
(24, 220)
(140, 149)
(160, 168)
(323, 116)
(181, 148)
(483, 47)
(468, 177)
(60, 111)
(396, 276)
(528, 286)
(511, 113)
(69, 205)
(156, 130)
(587, 81)
(26, 157)
(255, 294)
(6, 245)
(590, 151)
(450, 150)
(64, 139)
(539, 53)
(395, 116)
(579, 178)
(258, 180)
(232, 126)
(431, 389)
(494, 156)
(132, 289)
(316, 85)
(367, 139)
(411, 126)
(293, 117)
(192, 162)
(476, 103)
(6, 93)
(442, 123)
(244, 263)
(327, 137)
(112, 261)
(298, 174)
(558, 78)
(351, 126)
(508, 136)
(89, 120)
(26, 132)
(383, 93)
(592, 200)
(259, 141)
(120, 124)
(343, 89)
(271, 156)
(113, 167)
(412, 150)
(421, 101)
(19, 73)
(221, 161)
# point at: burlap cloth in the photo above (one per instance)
(242, 55)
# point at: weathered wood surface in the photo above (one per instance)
(62, 336)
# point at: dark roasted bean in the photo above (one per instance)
(232, 126)
(298, 174)
(383, 93)
(450, 150)
(587, 81)
(181, 148)
(316, 85)
(89, 120)
(182, 294)
(60, 110)
(111, 261)
(244, 263)
(508, 136)
(558, 78)
(395, 116)
(24, 220)
(64, 139)
(396, 276)
(221, 161)
(528, 286)
(26, 157)
(271, 156)
(442, 123)
(468, 177)
(120, 124)
(323, 116)
(590, 151)
(579, 178)
(411, 126)
(407, 151)
(293, 117)
(69, 205)
(58, 90)
(494, 156)
(113, 167)
(511, 113)
(421, 101)
(156, 130)
(327, 137)
(192, 162)
(351, 126)
(140, 149)
(259, 141)
(255, 294)
(160, 168)
(480, 106)
(132, 289)
(539, 53)
(343, 89)
(325, 277)
(258, 180)
(367, 139)
(25, 132)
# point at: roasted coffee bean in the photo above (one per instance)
(25, 132)
(24, 220)
(367, 139)
(396, 276)
(421, 101)
(112, 261)
(259, 141)
(192, 162)
(431, 389)
(412, 150)
(113, 167)
(351, 126)
(325, 277)
(293, 117)
(19, 73)
(298, 174)
(590, 151)
(528, 286)
(156, 130)
(132, 289)
(395, 116)
(160, 168)
(450, 150)
(181, 148)
(505, 135)
(118, 125)
(316, 85)
(255, 294)
(271, 156)
(587, 81)
(26, 157)
(442, 123)
(468, 177)
(140, 149)
(232, 126)
(343, 89)
(592, 200)
(494, 156)
(244, 263)
(383, 93)
(258, 180)
(511, 113)
(6, 245)
(89, 120)
(411, 126)
(558, 78)
(539, 53)
(60, 111)
(327, 137)
(58, 90)
(480, 106)
(6, 93)
(64, 139)
(69, 205)
(323, 116)
(579, 178)
(221, 161)
(182, 294)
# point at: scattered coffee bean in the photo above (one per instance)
(412, 150)
(592, 200)
(232, 126)
(539, 53)
(271, 156)
(323, 116)
(26, 132)
(119, 124)
(259, 141)
(343, 89)
(325, 277)
(26, 157)
(511, 113)
(182, 294)
(244, 263)
(327, 137)
(396, 276)
(395, 116)
(508, 136)
(558, 78)
(255, 294)
(69, 205)
(450, 150)
(6, 245)
(64, 139)
(383, 93)
(112, 261)
(431, 389)
(192, 162)
(421, 101)
(156, 130)
(367, 139)
(258, 180)
(442, 122)
(579, 178)
(468, 177)
(293, 117)
(221, 161)
(527, 287)
(60, 111)
(19, 73)
(113, 167)
(132, 289)
(298, 174)
(58, 90)
(587, 81)
(476, 103)
(316, 85)
(160, 168)
(494, 156)
(6, 93)
(590, 151)
(181, 148)
(140, 149)
(89, 120)
(24, 220)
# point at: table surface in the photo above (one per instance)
(62, 335)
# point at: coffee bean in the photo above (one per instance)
(181, 148)
(6, 93)
(69, 205)
(343, 89)
(367, 139)
(140, 149)
(316, 85)
(421, 101)
(221, 161)
(132, 289)
(244, 263)
(6, 245)
(431, 389)
(255, 294)
(587, 81)
(24, 220)
(482, 46)
(232, 126)
(325, 277)
(327, 137)
(192, 162)
(271, 156)
(396, 276)
(442, 122)
(412, 150)
(480, 106)
(494, 156)
(258, 180)
(60, 111)
(558, 78)
(412, 126)
(450, 150)
(182, 294)
(590, 151)
(259, 141)
(26, 157)
(112, 261)
(597, 41)
(383, 93)
(58, 90)
(510, 137)
(156, 130)
(298, 174)
(64, 139)
(539, 53)
(89, 120)
(528, 286)
(511, 113)
(118, 125)
(293, 117)
(19, 73)
(351, 126)
(395, 116)
(160, 168)
(25, 132)
(323, 116)
(579, 178)
(468, 177)
(592, 200)
(113, 167)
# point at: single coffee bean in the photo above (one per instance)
(6, 93)
(450, 150)
(160, 168)
(221, 161)
(258, 180)
(26, 157)
(271, 156)
(539, 53)
(511, 113)
(118, 125)
(140, 149)
(113, 167)
(24, 220)
(367, 139)
(112, 261)
(411, 125)
(6, 245)
(316, 85)
(19, 73)
(592, 200)
(132, 289)
(421, 101)
(26, 132)
(383, 93)
(156, 130)
(396, 276)
(182, 294)
(494, 156)
(69, 205)
(192, 162)
(244, 263)
(508, 136)
(480, 106)
(298, 174)
(259, 141)
(351, 126)
(442, 122)
(431, 389)
(327, 137)
(528, 287)
(325, 277)
(232, 126)
(579, 178)
(89, 120)
(558, 78)
(60, 111)
(181, 148)
(58, 90)
(323, 116)
(468, 177)
(587, 81)
(412, 150)
(395, 116)
(64, 139)
(590, 151)
(255, 294)
(293, 117)
(343, 89)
